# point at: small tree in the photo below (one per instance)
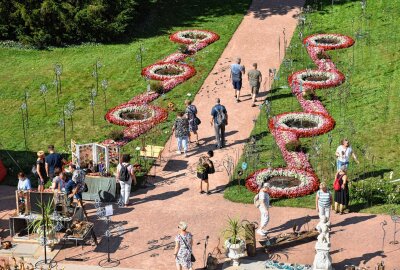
(23, 117)
(69, 111)
(57, 81)
(93, 94)
(26, 96)
(43, 91)
(104, 86)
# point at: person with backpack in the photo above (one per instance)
(205, 167)
(125, 176)
(340, 185)
(323, 201)
(261, 201)
(219, 120)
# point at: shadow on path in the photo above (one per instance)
(159, 197)
(353, 220)
(298, 222)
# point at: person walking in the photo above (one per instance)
(255, 78)
(219, 120)
(181, 129)
(53, 160)
(125, 176)
(191, 114)
(183, 248)
(204, 168)
(41, 170)
(341, 191)
(323, 201)
(236, 77)
(343, 153)
(261, 200)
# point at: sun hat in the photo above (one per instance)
(182, 225)
(266, 185)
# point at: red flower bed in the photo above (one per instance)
(194, 36)
(308, 182)
(290, 126)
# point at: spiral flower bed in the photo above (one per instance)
(315, 79)
(146, 114)
(299, 178)
(168, 71)
(305, 182)
(329, 41)
(303, 124)
(194, 36)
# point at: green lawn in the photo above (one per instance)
(22, 69)
(365, 107)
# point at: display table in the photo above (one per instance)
(99, 187)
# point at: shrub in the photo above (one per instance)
(294, 146)
(183, 48)
(52, 22)
(116, 135)
(377, 191)
(157, 87)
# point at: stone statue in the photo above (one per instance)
(323, 229)
(322, 259)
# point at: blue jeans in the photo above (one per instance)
(339, 164)
(183, 141)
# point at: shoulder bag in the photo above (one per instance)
(192, 258)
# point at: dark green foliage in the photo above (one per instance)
(157, 87)
(56, 22)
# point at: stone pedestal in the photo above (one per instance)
(322, 260)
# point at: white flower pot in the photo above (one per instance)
(235, 251)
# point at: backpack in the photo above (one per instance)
(124, 174)
(336, 184)
(221, 116)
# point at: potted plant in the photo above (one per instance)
(45, 218)
(234, 240)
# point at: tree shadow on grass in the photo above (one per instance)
(378, 173)
(165, 15)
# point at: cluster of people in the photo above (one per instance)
(324, 201)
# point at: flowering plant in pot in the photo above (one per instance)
(234, 235)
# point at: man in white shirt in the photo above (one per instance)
(343, 153)
(263, 205)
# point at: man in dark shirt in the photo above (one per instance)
(219, 120)
(53, 160)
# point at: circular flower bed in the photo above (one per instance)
(285, 183)
(329, 41)
(303, 124)
(167, 71)
(194, 36)
(317, 79)
(129, 114)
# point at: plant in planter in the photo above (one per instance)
(234, 239)
(44, 219)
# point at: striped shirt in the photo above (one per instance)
(324, 198)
